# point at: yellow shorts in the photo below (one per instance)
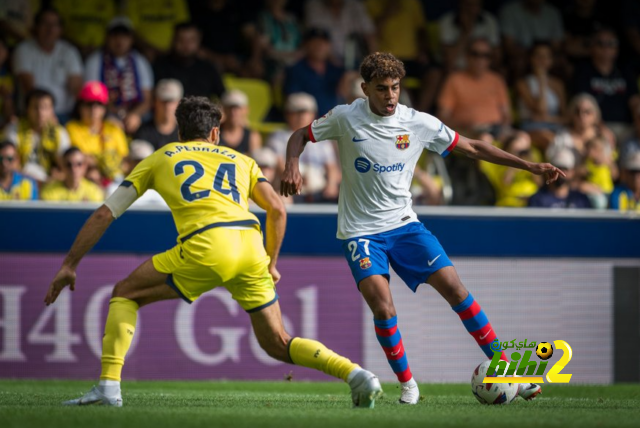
(220, 257)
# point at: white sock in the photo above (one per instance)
(353, 374)
(410, 383)
(109, 387)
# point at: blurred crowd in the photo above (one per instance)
(89, 88)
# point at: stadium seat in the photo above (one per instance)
(260, 101)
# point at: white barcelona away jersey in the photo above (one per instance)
(378, 155)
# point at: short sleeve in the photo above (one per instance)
(142, 175)
(256, 176)
(74, 61)
(145, 72)
(21, 61)
(328, 127)
(92, 66)
(434, 135)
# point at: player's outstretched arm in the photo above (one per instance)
(267, 199)
(482, 150)
(90, 233)
(291, 181)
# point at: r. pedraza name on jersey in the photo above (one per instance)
(204, 148)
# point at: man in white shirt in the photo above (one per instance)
(379, 142)
(46, 62)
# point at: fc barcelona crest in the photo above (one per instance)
(365, 263)
(402, 141)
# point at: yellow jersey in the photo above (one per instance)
(21, 189)
(600, 175)
(86, 192)
(204, 185)
(109, 147)
(154, 20)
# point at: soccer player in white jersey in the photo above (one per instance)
(380, 142)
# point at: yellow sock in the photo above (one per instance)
(313, 354)
(118, 334)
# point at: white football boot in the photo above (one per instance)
(410, 392)
(529, 391)
(365, 388)
(95, 396)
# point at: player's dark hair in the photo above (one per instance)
(197, 116)
(6, 143)
(381, 65)
(38, 94)
(70, 151)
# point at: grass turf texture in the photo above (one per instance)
(327, 405)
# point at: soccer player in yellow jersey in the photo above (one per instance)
(219, 245)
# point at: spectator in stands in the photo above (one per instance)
(46, 62)
(580, 23)
(85, 21)
(626, 195)
(6, 85)
(229, 36)
(585, 123)
(280, 39)
(39, 138)
(16, 19)
(598, 172)
(13, 185)
(73, 187)
(154, 22)
(101, 140)
(318, 165)
(469, 21)
(162, 129)
(346, 22)
(125, 72)
(138, 151)
(476, 99)
(524, 22)
(541, 98)
(560, 193)
(315, 74)
(198, 77)
(234, 132)
(615, 90)
(410, 45)
(267, 161)
(513, 186)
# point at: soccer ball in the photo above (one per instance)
(491, 393)
(544, 350)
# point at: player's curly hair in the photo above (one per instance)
(381, 65)
(197, 116)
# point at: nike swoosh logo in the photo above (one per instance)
(393, 354)
(434, 260)
(357, 140)
(482, 337)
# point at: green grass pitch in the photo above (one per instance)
(301, 404)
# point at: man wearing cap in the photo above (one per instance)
(318, 164)
(126, 73)
(234, 132)
(559, 194)
(198, 77)
(46, 62)
(626, 195)
(102, 140)
(315, 74)
(163, 128)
